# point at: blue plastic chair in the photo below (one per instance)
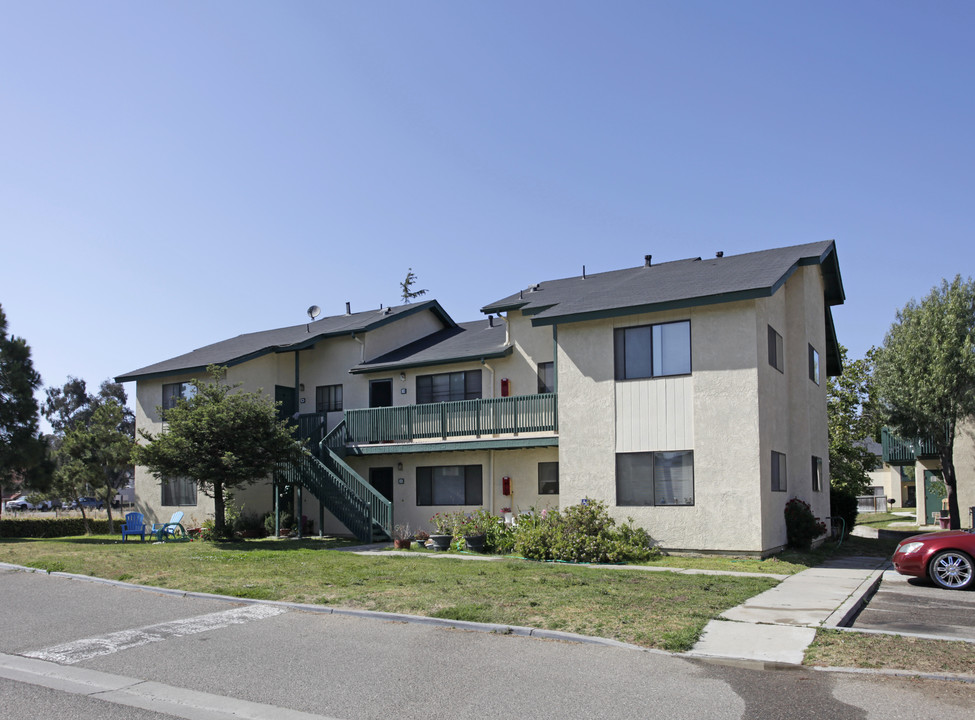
(134, 525)
(169, 529)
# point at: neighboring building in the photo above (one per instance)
(689, 395)
(917, 463)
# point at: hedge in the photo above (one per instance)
(50, 527)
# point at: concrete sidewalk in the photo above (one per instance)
(779, 624)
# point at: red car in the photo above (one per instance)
(945, 557)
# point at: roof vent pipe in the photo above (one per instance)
(646, 260)
(583, 272)
(348, 308)
(490, 320)
(720, 253)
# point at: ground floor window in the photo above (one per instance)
(178, 491)
(548, 478)
(817, 474)
(778, 472)
(655, 478)
(449, 485)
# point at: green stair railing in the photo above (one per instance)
(342, 491)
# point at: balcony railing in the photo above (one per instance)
(898, 451)
(463, 418)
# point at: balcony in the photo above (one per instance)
(898, 451)
(503, 422)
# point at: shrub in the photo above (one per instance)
(801, 526)
(287, 522)
(843, 504)
(51, 527)
(582, 533)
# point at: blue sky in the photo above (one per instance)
(177, 173)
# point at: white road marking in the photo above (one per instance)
(133, 692)
(79, 650)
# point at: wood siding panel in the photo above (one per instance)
(655, 415)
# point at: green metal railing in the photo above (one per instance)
(898, 451)
(462, 418)
(311, 426)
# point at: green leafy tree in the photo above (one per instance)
(98, 453)
(852, 417)
(22, 447)
(406, 286)
(220, 437)
(925, 373)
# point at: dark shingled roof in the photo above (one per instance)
(682, 283)
(465, 342)
(296, 337)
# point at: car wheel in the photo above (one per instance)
(952, 569)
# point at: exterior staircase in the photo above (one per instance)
(339, 488)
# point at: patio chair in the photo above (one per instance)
(171, 529)
(134, 525)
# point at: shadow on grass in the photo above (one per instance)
(327, 543)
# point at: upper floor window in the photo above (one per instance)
(652, 350)
(171, 392)
(814, 364)
(776, 357)
(546, 377)
(328, 398)
(447, 387)
(817, 474)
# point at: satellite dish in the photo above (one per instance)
(314, 311)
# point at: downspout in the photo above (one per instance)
(491, 484)
(362, 348)
(297, 399)
(490, 370)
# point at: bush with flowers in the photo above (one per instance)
(801, 526)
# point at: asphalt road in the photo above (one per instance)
(911, 605)
(74, 648)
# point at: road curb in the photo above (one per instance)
(846, 612)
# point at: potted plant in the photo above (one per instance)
(474, 529)
(421, 538)
(443, 524)
(401, 537)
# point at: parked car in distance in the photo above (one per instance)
(48, 504)
(88, 503)
(944, 557)
(18, 504)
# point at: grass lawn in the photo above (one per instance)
(839, 648)
(658, 610)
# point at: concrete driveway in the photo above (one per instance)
(918, 607)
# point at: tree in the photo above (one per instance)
(852, 418)
(925, 373)
(22, 447)
(220, 437)
(98, 453)
(407, 286)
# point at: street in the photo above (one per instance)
(73, 647)
(912, 605)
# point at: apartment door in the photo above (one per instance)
(382, 480)
(380, 393)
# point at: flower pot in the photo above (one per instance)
(475, 543)
(402, 544)
(441, 542)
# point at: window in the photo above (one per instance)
(548, 478)
(817, 474)
(179, 491)
(652, 350)
(447, 387)
(171, 392)
(655, 478)
(328, 398)
(776, 357)
(449, 485)
(778, 472)
(813, 364)
(546, 377)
